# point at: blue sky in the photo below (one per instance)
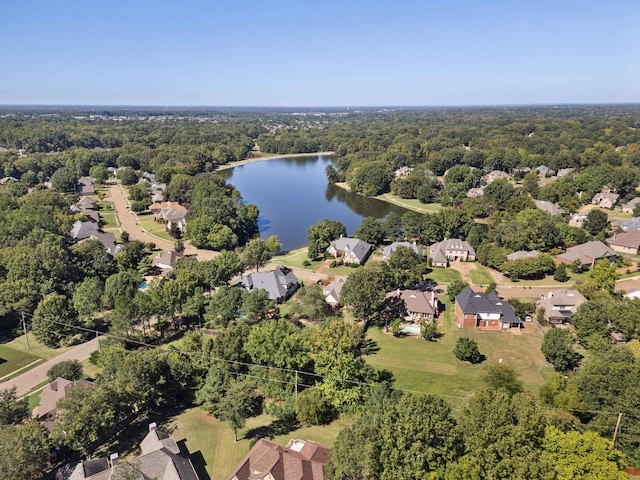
(328, 53)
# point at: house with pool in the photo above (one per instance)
(485, 313)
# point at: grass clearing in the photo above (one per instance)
(38, 349)
(109, 220)
(296, 259)
(410, 204)
(213, 450)
(431, 367)
(444, 275)
(12, 360)
(480, 276)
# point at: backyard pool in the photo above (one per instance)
(143, 286)
(411, 329)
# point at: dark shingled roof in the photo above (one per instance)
(473, 303)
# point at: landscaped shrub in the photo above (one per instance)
(312, 408)
(306, 263)
(333, 264)
(466, 350)
(354, 265)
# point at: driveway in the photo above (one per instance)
(29, 380)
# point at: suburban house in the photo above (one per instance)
(81, 230)
(160, 459)
(630, 205)
(496, 175)
(171, 214)
(475, 192)
(564, 171)
(279, 283)
(352, 250)
(84, 186)
(544, 171)
(412, 305)
(166, 260)
(548, 207)
(108, 241)
(404, 171)
(587, 254)
(51, 394)
(299, 460)
(485, 313)
(90, 215)
(332, 293)
(628, 225)
(605, 199)
(577, 219)
(522, 254)
(625, 242)
(559, 305)
(86, 202)
(452, 249)
(389, 249)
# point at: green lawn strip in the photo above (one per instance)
(211, 445)
(410, 204)
(444, 275)
(39, 350)
(108, 220)
(296, 259)
(13, 360)
(480, 276)
(105, 206)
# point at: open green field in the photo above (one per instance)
(444, 275)
(410, 204)
(11, 360)
(211, 446)
(38, 349)
(431, 367)
(480, 276)
(295, 259)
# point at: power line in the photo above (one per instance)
(287, 370)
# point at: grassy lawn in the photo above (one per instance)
(480, 276)
(108, 220)
(157, 229)
(11, 360)
(38, 349)
(410, 204)
(105, 207)
(211, 446)
(431, 367)
(295, 259)
(444, 275)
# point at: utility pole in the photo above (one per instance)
(296, 395)
(615, 432)
(24, 328)
(98, 340)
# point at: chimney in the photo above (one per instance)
(113, 460)
(153, 426)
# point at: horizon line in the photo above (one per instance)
(479, 105)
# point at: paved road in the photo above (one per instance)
(27, 381)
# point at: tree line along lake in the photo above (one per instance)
(292, 194)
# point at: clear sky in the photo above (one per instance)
(319, 53)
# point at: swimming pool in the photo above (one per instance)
(143, 286)
(411, 329)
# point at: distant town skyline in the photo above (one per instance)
(321, 54)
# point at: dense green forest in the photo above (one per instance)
(61, 285)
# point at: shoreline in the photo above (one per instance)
(269, 157)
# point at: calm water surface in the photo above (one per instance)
(293, 194)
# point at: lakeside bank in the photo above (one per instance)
(269, 157)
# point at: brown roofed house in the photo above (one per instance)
(414, 305)
(625, 242)
(605, 199)
(559, 305)
(630, 205)
(166, 261)
(587, 254)
(52, 393)
(299, 460)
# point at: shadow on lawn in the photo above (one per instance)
(275, 428)
(197, 460)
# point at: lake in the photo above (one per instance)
(293, 194)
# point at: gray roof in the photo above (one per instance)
(277, 282)
(631, 203)
(587, 253)
(474, 303)
(627, 225)
(389, 249)
(351, 245)
(438, 250)
(522, 254)
(107, 239)
(81, 230)
(85, 186)
(548, 207)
